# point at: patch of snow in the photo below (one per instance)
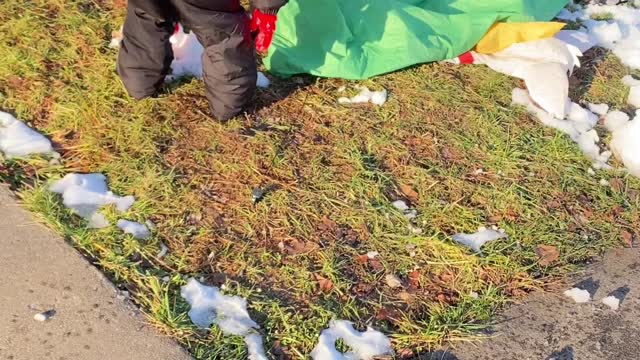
(591, 172)
(615, 120)
(606, 34)
(400, 205)
(625, 144)
(600, 109)
(634, 91)
(634, 97)
(630, 81)
(408, 212)
(580, 39)
(567, 15)
(578, 295)
(263, 81)
(84, 194)
(621, 34)
(150, 225)
(372, 254)
(612, 302)
(187, 54)
(474, 295)
(477, 240)
(137, 230)
(18, 140)
(364, 345)
(365, 96)
(255, 347)
(604, 182)
(210, 306)
(163, 251)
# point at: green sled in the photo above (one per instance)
(358, 39)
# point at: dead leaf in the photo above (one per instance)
(511, 215)
(375, 264)
(362, 259)
(627, 238)
(616, 184)
(325, 284)
(296, 247)
(414, 279)
(494, 219)
(388, 313)
(547, 254)
(405, 354)
(409, 193)
(362, 289)
(404, 296)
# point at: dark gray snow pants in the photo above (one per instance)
(221, 26)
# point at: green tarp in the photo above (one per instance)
(358, 39)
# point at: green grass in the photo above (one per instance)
(332, 172)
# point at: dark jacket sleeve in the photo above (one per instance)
(268, 4)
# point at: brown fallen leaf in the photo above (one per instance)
(547, 254)
(324, 284)
(362, 259)
(362, 289)
(494, 219)
(375, 265)
(404, 296)
(414, 279)
(627, 238)
(616, 184)
(388, 313)
(409, 193)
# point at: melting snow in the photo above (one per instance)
(364, 345)
(612, 302)
(624, 142)
(187, 54)
(255, 347)
(230, 313)
(578, 295)
(17, 139)
(163, 251)
(477, 240)
(86, 193)
(634, 90)
(138, 231)
(578, 125)
(600, 109)
(263, 81)
(621, 34)
(365, 96)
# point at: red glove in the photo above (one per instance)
(263, 26)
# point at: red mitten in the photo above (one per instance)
(263, 26)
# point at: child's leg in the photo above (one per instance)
(229, 64)
(145, 53)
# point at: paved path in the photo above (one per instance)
(38, 272)
(550, 326)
